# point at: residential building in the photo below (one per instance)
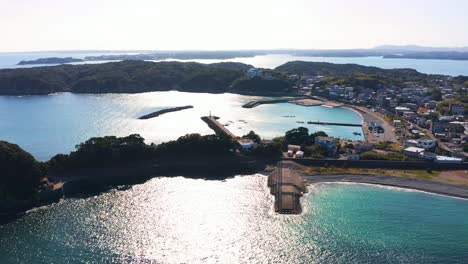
(426, 144)
(246, 144)
(328, 143)
(442, 127)
(413, 152)
(431, 104)
(457, 109)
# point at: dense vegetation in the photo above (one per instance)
(122, 77)
(20, 172)
(353, 74)
(260, 85)
(300, 136)
(53, 60)
(135, 76)
(101, 151)
(373, 155)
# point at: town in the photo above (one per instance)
(414, 122)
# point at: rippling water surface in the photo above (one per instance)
(48, 125)
(178, 220)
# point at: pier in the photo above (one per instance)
(218, 128)
(334, 124)
(287, 187)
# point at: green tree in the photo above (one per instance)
(251, 135)
(20, 173)
(298, 136)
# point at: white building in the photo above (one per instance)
(246, 144)
(426, 144)
(254, 72)
(444, 159)
(299, 154)
(413, 152)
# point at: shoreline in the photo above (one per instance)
(433, 187)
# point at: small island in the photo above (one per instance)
(165, 111)
(52, 60)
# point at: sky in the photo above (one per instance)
(33, 25)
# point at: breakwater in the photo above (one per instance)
(165, 111)
(287, 187)
(334, 123)
(218, 128)
(255, 103)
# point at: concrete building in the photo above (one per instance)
(443, 127)
(246, 144)
(444, 159)
(413, 152)
(426, 144)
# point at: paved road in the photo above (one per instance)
(371, 116)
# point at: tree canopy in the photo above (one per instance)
(20, 173)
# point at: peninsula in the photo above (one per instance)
(164, 111)
(52, 60)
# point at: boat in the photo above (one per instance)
(300, 122)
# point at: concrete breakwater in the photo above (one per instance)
(217, 127)
(165, 111)
(253, 104)
(334, 123)
(287, 187)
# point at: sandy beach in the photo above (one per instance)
(409, 183)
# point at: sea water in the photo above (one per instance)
(178, 220)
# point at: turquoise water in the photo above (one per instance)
(178, 220)
(48, 125)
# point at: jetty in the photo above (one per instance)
(218, 128)
(287, 187)
(253, 104)
(334, 123)
(164, 111)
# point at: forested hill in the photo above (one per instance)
(144, 76)
(356, 75)
(122, 77)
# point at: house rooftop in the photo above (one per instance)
(326, 138)
(414, 149)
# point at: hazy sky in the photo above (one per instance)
(27, 25)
